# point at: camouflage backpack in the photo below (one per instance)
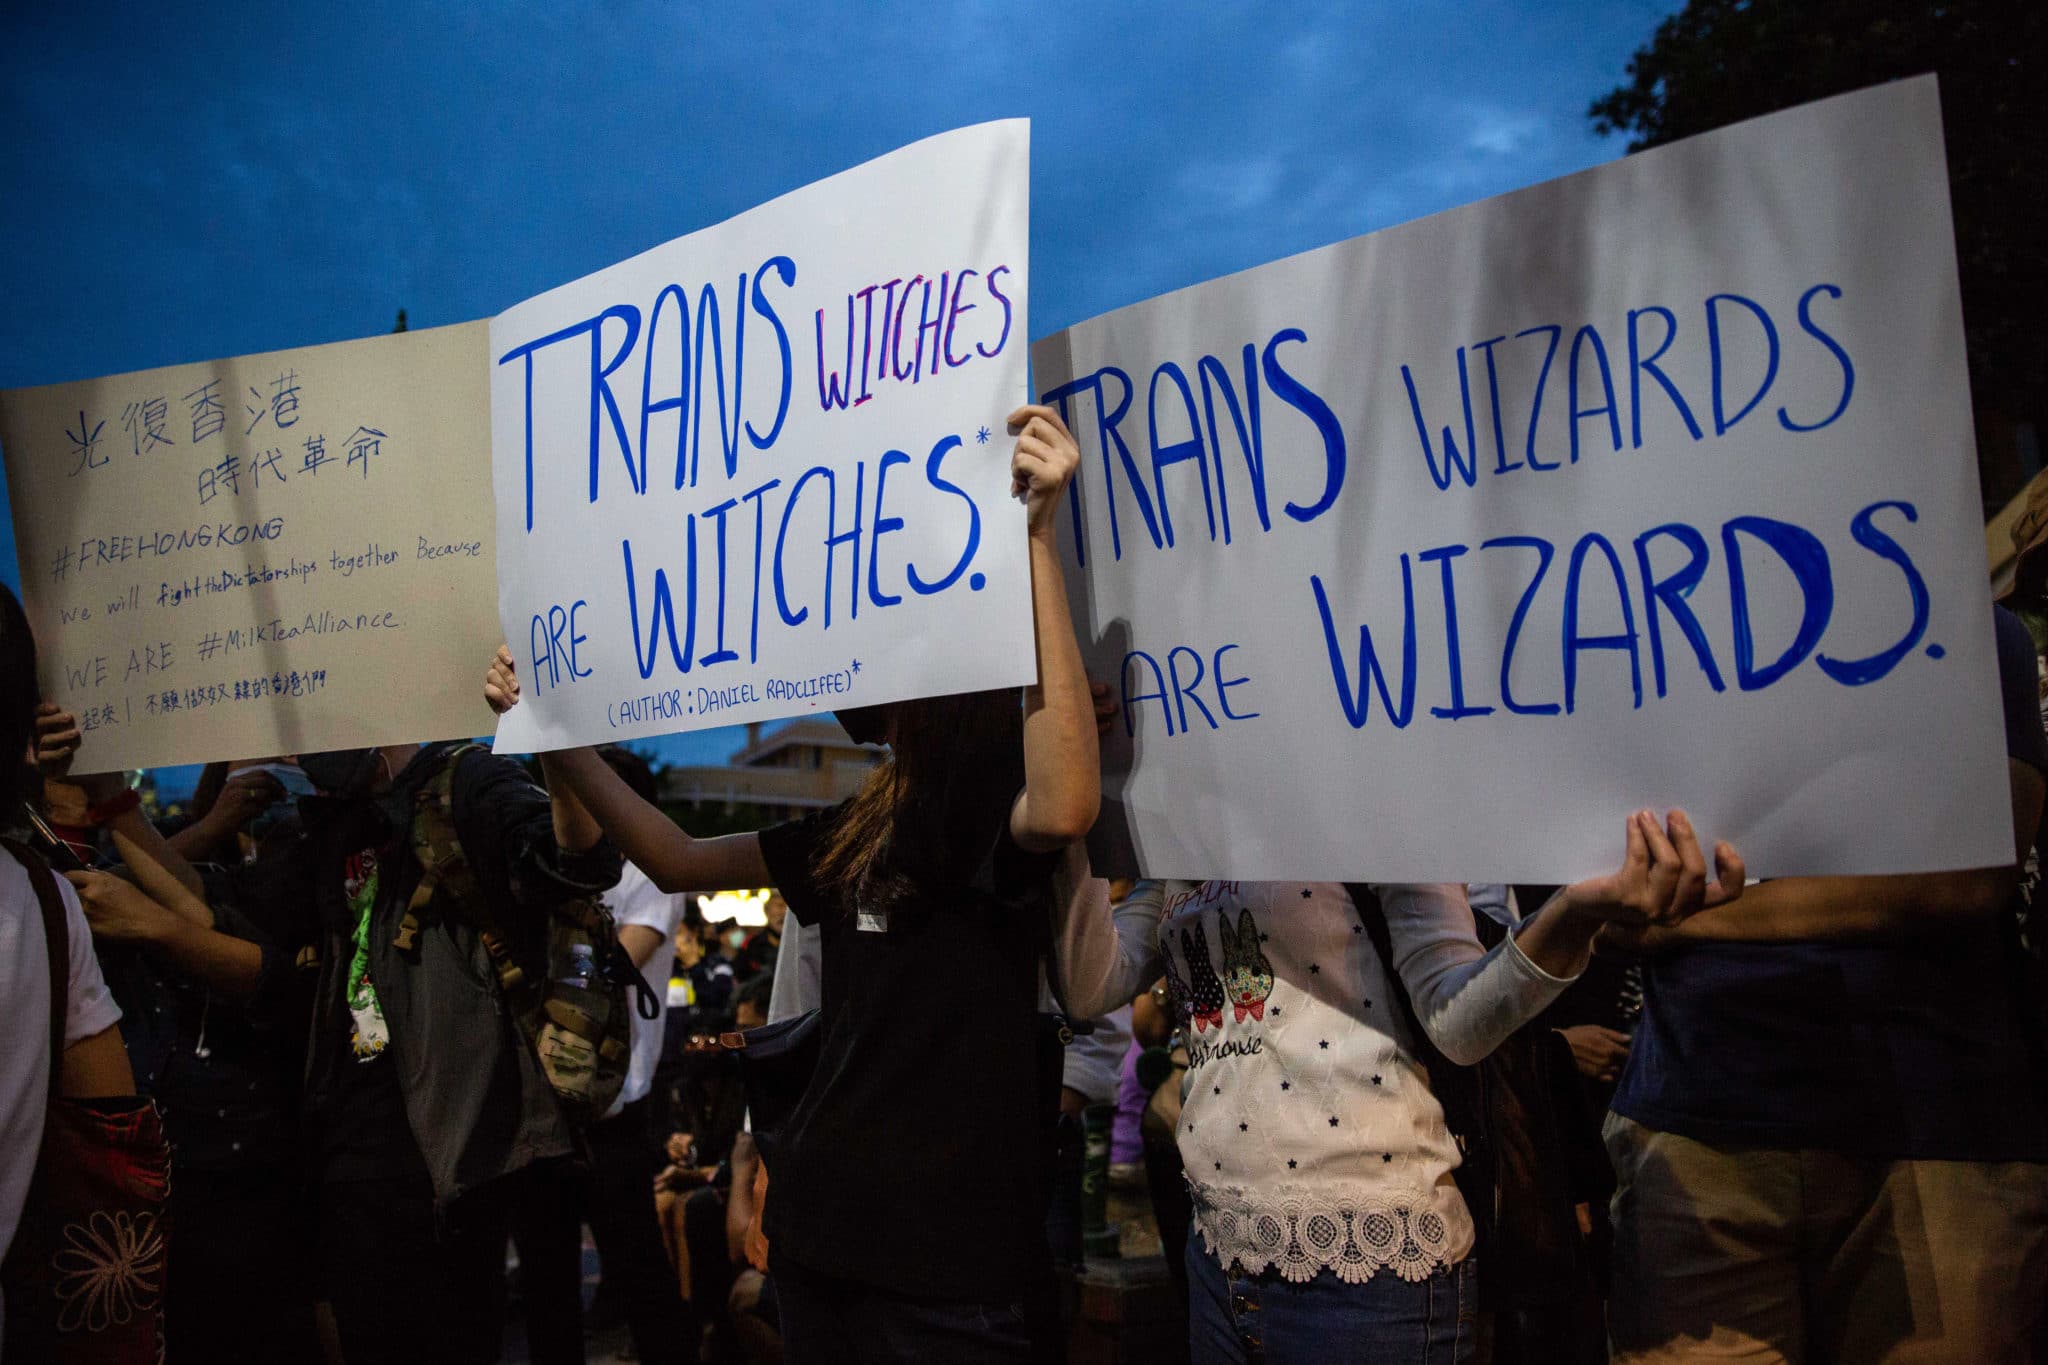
(576, 1018)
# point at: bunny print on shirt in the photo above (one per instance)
(1247, 974)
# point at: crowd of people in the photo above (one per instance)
(401, 1008)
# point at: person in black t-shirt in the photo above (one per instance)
(908, 1215)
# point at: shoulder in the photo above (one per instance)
(25, 913)
(488, 791)
(805, 830)
(790, 852)
(474, 772)
(23, 975)
(89, 1007)
(1012, 872)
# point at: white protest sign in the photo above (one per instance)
(761, 470)
(1432, 554)
(271, 554)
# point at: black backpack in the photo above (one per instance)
(575, 1017)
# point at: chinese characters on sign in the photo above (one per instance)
(285, 563)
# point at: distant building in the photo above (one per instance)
(806, 765)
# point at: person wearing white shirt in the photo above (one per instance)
(624, 1156)
(94, 1063)
(1319, 1161)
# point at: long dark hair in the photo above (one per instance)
(19, 695)
(930, 811)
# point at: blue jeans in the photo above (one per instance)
(1246, 1319)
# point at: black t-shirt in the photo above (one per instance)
(914, 1160)
(1892, 1051)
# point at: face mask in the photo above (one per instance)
(737, 938)
(341, 772)
(290, 776)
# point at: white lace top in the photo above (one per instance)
(1308, 1130)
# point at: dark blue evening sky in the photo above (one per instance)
(183, 182)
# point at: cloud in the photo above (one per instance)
(1502, 132)
(190, 182)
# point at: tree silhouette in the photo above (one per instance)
(1716, 62)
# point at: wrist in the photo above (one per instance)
(1575, 924)
(100, 786)
(216, 825)
(66, 803)
(111, 807)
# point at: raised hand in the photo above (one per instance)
(246, 795)
(1042, 464)
(1663, 876)
(501, 682)
(57, 739)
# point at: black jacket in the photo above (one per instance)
(474, 1097)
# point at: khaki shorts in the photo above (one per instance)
(1813, 1257)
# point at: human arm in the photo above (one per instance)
(96, 1068)
(120, 912)
(243, 796)
(641, 942)
(1102, 954)
(159, 866)
(94, 1063)
(1869, 909)
(1896, 909)
(1152, 1015)
(575, 829)
(739, 1200)
(650, 840)
(1062, 764)
(135, 839)
(1469, 1000)
(1598, 1052)
(646, 917)
(506, 825)
(1091, 1067)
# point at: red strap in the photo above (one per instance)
(113, 807)
(57, 939)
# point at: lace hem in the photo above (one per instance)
(1300, 1232)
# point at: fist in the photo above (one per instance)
(247, 795)
(1042, 463)
(57, 739)
(501, 682)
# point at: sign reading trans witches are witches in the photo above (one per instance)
(1431, 554)
(762, 470)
